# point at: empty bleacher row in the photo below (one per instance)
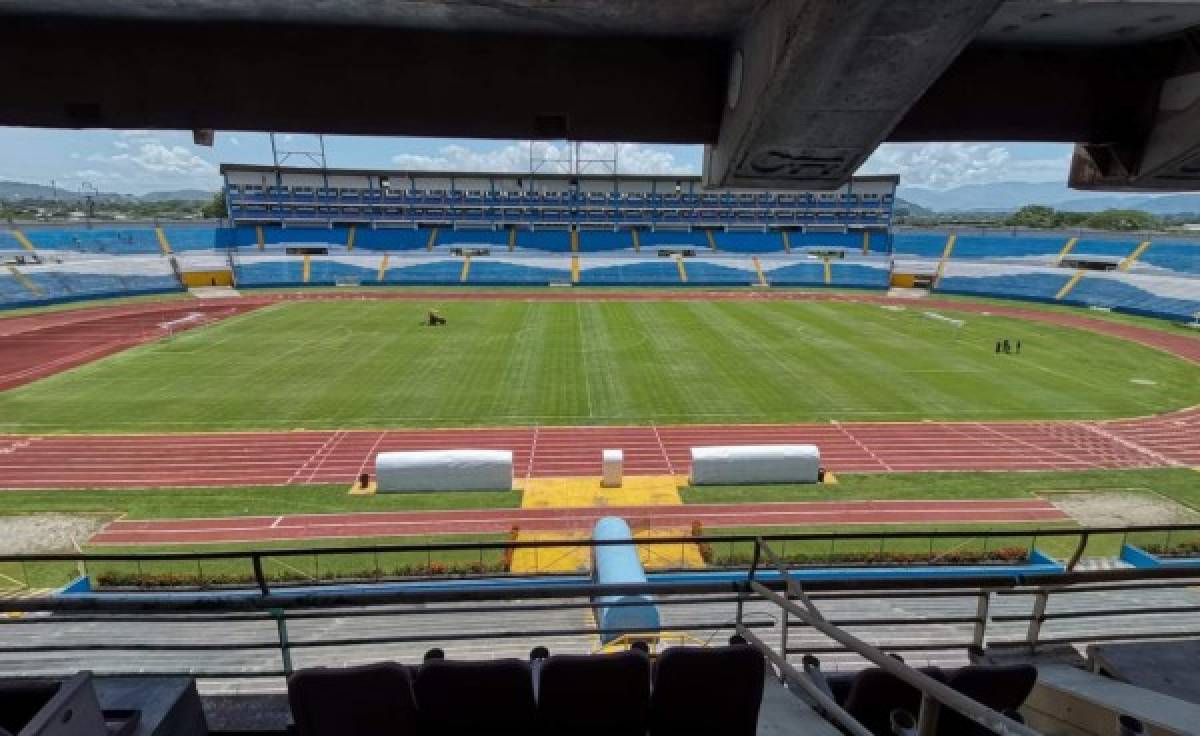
(591, 269)
(249, 204)
(33, 284)
(1171, 296)
(115, 240)
(689, 690)
(1139, 253)
(1150, 254)
(147, 240)
(1157, 278)
(684, 691)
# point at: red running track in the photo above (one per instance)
(279, 458)
(41, 345)
(498, 521)
(271, 458)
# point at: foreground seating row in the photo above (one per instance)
(692, 691)
(873, 696)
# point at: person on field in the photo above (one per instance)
(998, 345)
(1018, 347)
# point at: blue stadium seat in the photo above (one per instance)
(805, 272)
(86, 279)
(1173, 255)
(919, 243)
(282, 271)
(531, 271)
(330, 270)
(442, 271)
(860, 275)
(1172, 297)
(649, 270)
(594, 241)
(555, 241)
(726, 271)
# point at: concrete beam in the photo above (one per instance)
(816, 85)
(1167, 156)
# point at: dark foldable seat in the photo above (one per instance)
(707, 690)
(484, 698)
(369, 700)
(1001, 688)
(595, 695)
(874, 694)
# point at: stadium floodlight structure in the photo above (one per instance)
(573, 157)
(311, 156)
(784, 93)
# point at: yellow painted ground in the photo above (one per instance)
(636, 490)
(370, 490)
(644, 490)
(570, 558)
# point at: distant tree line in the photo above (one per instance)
(1042, 217)
(1039, 216)
(34, 209)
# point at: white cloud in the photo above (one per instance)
(121, 144)
(948, 165)
(96, 175)
(233, 139)
(160, 159)
(633, 158)
(75, 155)
(150, 165)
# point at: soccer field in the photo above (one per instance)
(372, 364)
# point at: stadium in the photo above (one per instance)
(596, 452)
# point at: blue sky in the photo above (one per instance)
(136, 162)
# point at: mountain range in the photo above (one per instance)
(1011, 195)
(18, 190)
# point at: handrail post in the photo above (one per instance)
(927, 721)
(741, 602)
(285, 651)
(259, 577)
(1036, 618)
(982, 605)
(1079, 550)
(783, 639)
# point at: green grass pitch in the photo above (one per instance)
(372, 364)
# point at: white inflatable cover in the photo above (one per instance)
(755, 464)
(613, 465)
(444, 470)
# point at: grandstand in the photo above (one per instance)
(542, 210)
(325, 227)
(1146, 274)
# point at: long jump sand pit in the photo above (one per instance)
(35, 533)
(1131, 507)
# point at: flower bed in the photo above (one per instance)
(119, 579)
(1174, 551)
(999, 556)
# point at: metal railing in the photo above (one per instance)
(267, 569)
(281, 621)
(287, 619)
(934, 694)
